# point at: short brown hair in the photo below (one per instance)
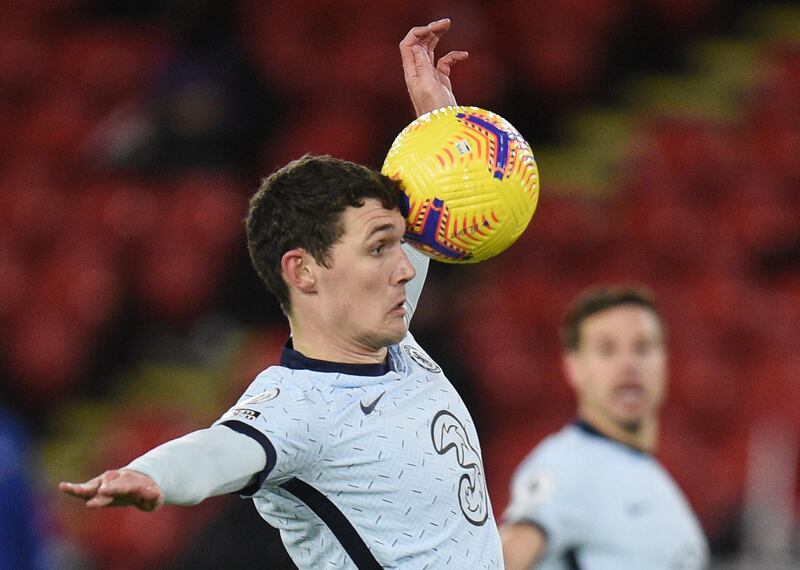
(598, 299)
(300, 206)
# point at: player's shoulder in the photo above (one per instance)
(410, 351)
(553, 475)
(278, 385)
(562, 452)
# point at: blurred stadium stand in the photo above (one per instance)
(668, 139)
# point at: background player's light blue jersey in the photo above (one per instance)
(604, 506)
(369, 466)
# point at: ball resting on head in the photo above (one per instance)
(470, 180)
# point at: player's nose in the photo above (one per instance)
(629, 361)
(405, 270)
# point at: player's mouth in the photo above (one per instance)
(399, 308)
(630, 394)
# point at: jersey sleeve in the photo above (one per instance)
(278, 416)
(420, 261)
(547, 492)
(201, 464)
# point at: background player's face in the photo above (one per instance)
(619, 369)
(361, 294)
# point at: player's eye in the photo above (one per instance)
(606, 349)
(643, 348)
(378, 249)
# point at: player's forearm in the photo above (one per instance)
(420, 262)
(202, 464)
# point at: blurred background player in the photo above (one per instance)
(356, 446)
(593, 495)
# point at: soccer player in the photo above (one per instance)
(593, 496)
(356, 446)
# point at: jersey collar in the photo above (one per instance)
(589, 429)
(291, 358)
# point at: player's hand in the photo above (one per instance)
(117, 488)
(428, 83)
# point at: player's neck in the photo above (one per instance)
(332, 347)
(644, 438)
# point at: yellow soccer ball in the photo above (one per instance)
(470, 181)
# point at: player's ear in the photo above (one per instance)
(297, 268)
(570, 365)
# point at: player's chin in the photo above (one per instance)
(394, 333)
(630, 419)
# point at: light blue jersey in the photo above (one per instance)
(369, 466)
(604, 506)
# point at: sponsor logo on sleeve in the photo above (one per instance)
(244, 413)
(538, 488)
(263, 397)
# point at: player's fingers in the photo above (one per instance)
(81, 490)
(416, 35)
(111, 475)
(99, 501)
(150, 499)
(121, 486)
(420, 69)
(146, 494)
(448, 61)
(438, 29)
(410, 56)
(424, 35)
(434, 41)
(74, 489)
(410, 47)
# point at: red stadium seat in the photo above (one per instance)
(33, 209)
(709, 466)
(23, 61)
(682, 16)
(80, 278)
(47, 355)
(105, 64)
(563, 56)
(36, 12)
(175, 279)
(759, 217)
(209, 207)
(339, 48)
(344, 132)
(15, 277)
(525, 372)
(184, 254)
(57, 127)
(115, 210)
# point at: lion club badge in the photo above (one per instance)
(421, 359)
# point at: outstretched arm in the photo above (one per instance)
(429, 88)
(428, 83)
(183, 471)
